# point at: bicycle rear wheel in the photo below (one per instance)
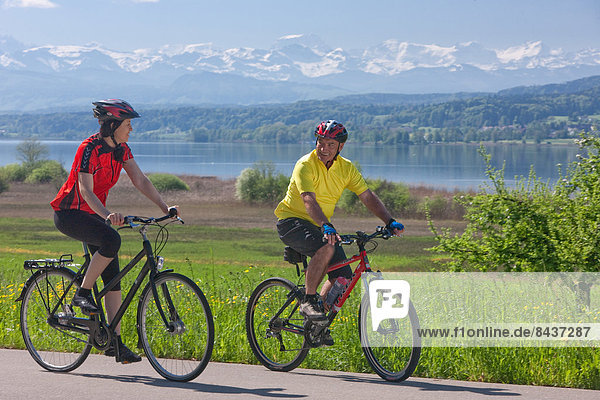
(274, 326)
(54, 347)
(393, 351)
(181, 350)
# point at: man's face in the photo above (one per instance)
(327, 149)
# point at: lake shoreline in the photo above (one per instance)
(452, 166)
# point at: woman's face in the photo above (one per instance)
(122, 132)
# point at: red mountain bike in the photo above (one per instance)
(281, 338)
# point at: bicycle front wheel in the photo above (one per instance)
(51, 344)
(180, 349)
(274, 326)
(393, 351)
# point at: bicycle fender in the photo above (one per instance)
(32, 278)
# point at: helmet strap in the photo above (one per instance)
(112, 137)
(330, 163)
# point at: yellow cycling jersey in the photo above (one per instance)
(311, 175)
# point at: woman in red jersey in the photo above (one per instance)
(80, 206)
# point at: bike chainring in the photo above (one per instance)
(313, 332)
(101, 338)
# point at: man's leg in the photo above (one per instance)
(326, 287)
(317, 268)
(307, 239)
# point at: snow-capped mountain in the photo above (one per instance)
(295, 67)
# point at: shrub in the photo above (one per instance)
(440, 207)
(3, 184)
(47, 171)
(167, 182)
(259, 184)
(534, 226)
(14, 172)
(395, 196)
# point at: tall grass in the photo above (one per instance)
(228, 263)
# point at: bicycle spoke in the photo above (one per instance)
(55, 348)
(271, 339)
(393, 351)
(181, 350)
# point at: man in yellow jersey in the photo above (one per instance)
(316, 185)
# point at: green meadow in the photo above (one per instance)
(228, 263)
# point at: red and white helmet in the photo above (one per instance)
(114, 109)
(332, 130)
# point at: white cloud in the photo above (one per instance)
(30, 3)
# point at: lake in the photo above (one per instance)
(441, 165)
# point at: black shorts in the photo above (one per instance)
(92, 229)
(306, 238)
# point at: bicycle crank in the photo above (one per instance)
(313, 332)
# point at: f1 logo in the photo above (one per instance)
(389, 299)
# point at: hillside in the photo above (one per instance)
(534, 113)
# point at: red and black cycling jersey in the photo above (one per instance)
(94, 156)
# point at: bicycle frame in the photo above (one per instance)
(363, 266)
(150, 266)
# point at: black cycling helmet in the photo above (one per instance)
(114, 109)
(333, 130)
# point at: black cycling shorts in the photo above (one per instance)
(92, 229)
(306, 238)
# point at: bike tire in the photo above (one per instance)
(267, 337)
(181, 353)
(54, 348)
(398, 349)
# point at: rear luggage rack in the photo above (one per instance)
(49, 263)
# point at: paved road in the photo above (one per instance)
(101, 378)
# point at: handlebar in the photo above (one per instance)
(134, 220)
(362, 237)
(131, 220)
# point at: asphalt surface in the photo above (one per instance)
(101, 378)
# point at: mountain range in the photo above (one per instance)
(296, 67)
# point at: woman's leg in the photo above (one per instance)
(113, 301)
(96, 267)
(104, 243)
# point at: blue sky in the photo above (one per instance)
(351, 24)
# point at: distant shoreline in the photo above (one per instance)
(529, 142)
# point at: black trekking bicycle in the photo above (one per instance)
(174, 321)
(281, 338)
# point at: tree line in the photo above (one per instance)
(521, 116)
